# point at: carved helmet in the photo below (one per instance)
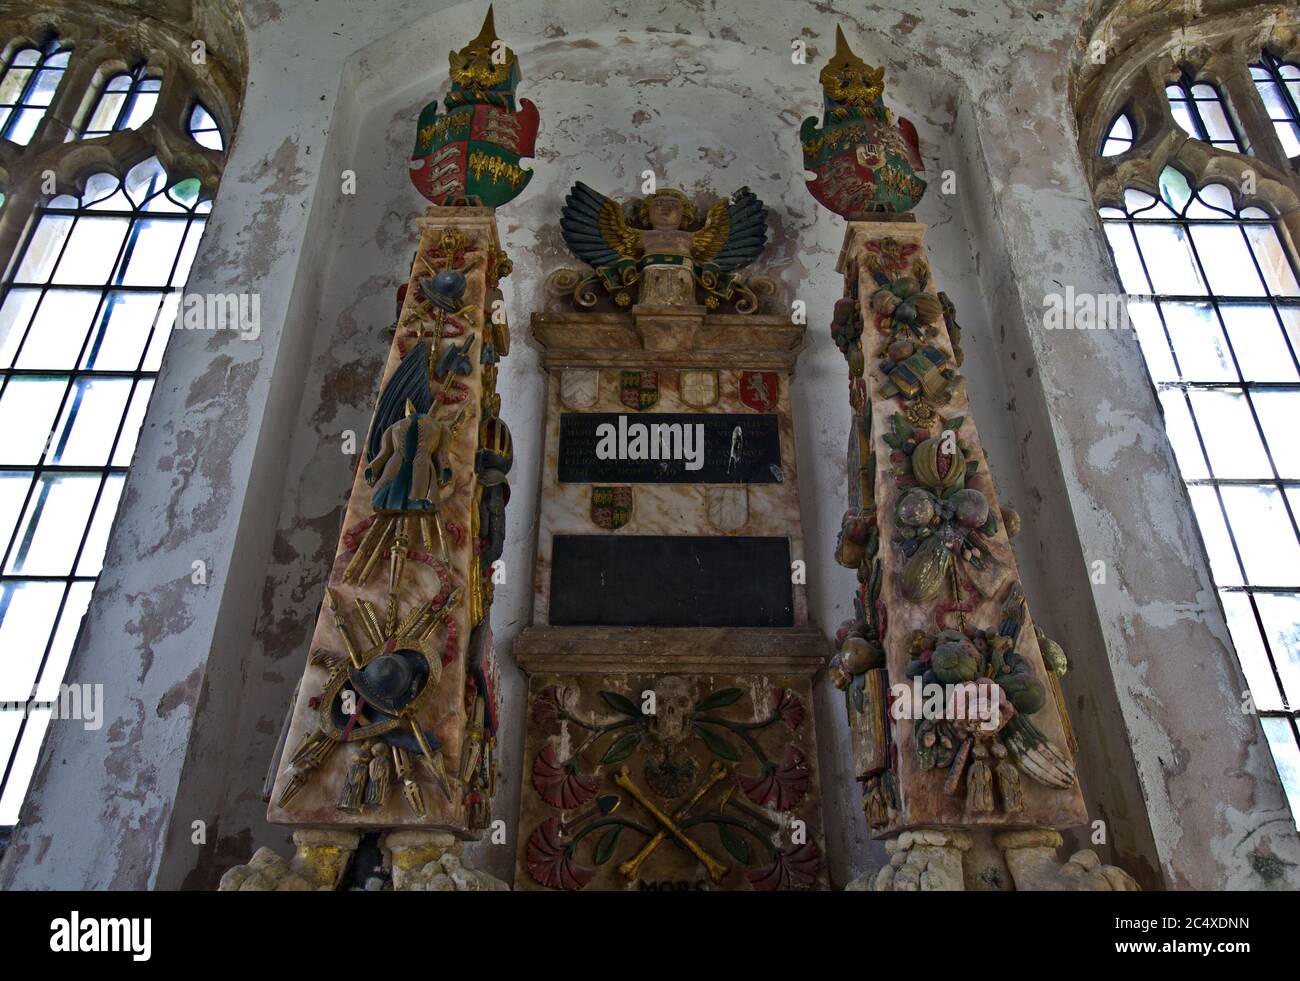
(496, 450)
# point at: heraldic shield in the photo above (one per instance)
(611, 507)
(472, 153)
(864, 163)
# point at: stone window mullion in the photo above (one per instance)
(1257, 128)
(78, 79)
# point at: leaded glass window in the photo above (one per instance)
(1214, 298)
(85, 314)
(1278, 85)
(126, 101)
(1119, 138)
(27, 86)
(1199, 111)
(204, 129)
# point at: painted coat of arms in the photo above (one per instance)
(698, 389)
(470, 154)
(639, 389)
(758, 389)
(863, 162)
(611, 507)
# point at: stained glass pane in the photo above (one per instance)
(204, 129)
(92, 553)
(1182, 434)
(1198, 342)
(126, 101)
(1279, 91)
(58, 329)
(74, 608)
(29, 610)
(1229, 433)
(28, 408)
(1258, 342)
(1262, 529)
(1255, 662)
(51, 528)
(1119, 138)
(1286, 754)
(1218, 545)
(89, 422)
(1281, 615)
(27, 86)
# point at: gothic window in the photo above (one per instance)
(27, 86)
(1202, 240)
(92, 274)
(85, 318)
(1198, 109)
(1119, 138)
(204, 128)
(1278, 84)
(125, 102)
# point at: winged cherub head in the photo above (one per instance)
(666, 210)
(596, 229)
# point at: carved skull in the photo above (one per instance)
(674, 704)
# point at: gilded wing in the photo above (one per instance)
(734, 232)
(595, 230)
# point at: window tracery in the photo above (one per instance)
(1201, 220)
(131, 136)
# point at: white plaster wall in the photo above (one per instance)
(239, 463)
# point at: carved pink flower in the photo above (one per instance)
(560, 784)
(548, 705)
(788, 706)
(549, 860)
(979, 708)
(793, 868)
(781, 786)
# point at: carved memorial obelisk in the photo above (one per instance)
(958, 726)
(670, 740)
(394, 725)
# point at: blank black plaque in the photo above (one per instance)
(670, 581)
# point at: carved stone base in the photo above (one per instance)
(429, 861)
(319, 860)
(933, 860)
(1032, 858)
(416, 861)
(920, 861)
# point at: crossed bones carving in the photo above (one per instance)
(668, 825)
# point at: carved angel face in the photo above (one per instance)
(664, 212)
(673, 707)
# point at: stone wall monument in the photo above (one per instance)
(961, 738)
(393, 729)
(670, 739)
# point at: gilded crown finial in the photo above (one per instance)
(848, 79)
(487, 33)
(483, 63)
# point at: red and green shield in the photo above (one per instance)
(639, 389)
(471, 154)
(611, 507)
(863, 166)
